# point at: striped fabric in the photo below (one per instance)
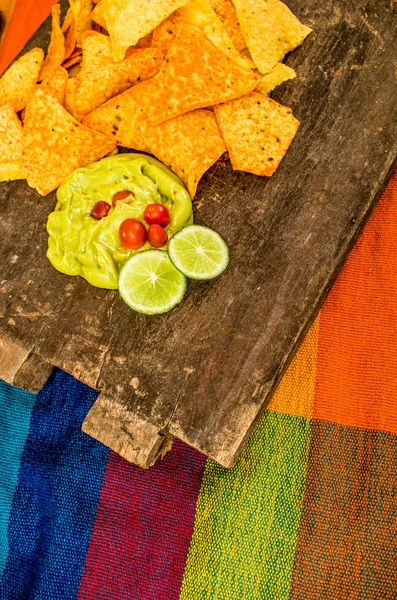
(308, 513)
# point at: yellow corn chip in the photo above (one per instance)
(55, 82)
(257, 132)
(97, 50)
(70, 38)
(98, 15)
(189, 145)
(94, 87)
(196, 74)
(56, 49)
(69, 98)
(200, 14)
(17, 83)
(127, 21)
(74, 59)
(165, 33)
(227, 14)
(278, 75)
(82, 17)
(10, 144)
(124, 117)
(68, 20)
(54, 144)
(270, 30)
(145, 42)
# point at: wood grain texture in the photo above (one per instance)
(134, 439)
(205, 372)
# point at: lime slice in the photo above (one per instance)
(150, 284)
(198, 252)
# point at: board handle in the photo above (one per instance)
(22, 367)
(126, 433)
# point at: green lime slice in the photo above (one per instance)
(150, 284)
(198, 252)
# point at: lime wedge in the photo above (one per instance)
(198, 252)
(150, 284)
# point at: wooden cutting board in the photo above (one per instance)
(205, 372)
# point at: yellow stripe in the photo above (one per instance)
(295, 394)
(247, 518)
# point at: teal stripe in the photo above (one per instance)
(15, 412)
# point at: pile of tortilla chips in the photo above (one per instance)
(183, 80)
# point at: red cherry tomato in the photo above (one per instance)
(100, 210)
(132, 234)
(157, 214)
(157, 236)
(122, 196)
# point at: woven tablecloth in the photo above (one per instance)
(309, 512)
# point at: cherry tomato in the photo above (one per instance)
(157, 214)
(100, 210)
(132, 234)
(122, 196)
(157, 236)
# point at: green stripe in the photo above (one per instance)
(248, 517)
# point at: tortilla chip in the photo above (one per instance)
(97, 51)
(196, 74)
(17, 83)
(94, 87)
(68, 20)
(277, 76)
(165, 33)
(10, 144)
(270, 30)
(145, 42)
(82, 17)
(74, 59)
(70, 39)
(189, 145)
(56, 49)
(98, 15)
(257, 131)
(54, 144)
(200, 14)
(127, 21)
(124, 117)
(55, 82)
(69, 98)
(227, 14)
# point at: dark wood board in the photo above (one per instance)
(205, 372)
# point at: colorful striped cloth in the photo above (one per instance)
(308, 513)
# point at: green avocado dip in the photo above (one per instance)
(78, 244)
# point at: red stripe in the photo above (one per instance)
(143, 527)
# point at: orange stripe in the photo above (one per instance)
(295, 394)
(27, 17)
(357, 358)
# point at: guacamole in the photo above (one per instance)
(78, 244)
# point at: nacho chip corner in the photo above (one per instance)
(18, 82)
(189, 145)
(277, 76)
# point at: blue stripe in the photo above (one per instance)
(15, 411)
(55, 501)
